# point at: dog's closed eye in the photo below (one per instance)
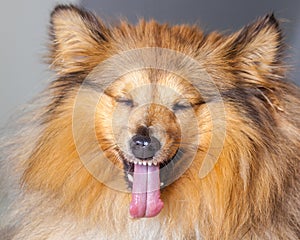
(181, 105)
(125, 101)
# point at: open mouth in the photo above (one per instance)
(145, 179)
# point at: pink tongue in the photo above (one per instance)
(145, 200)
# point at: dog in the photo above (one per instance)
(152, 131)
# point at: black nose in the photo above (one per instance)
(144, 147)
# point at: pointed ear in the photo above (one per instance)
(77, 39)
(256, 51)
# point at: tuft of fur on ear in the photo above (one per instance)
(78, 39)
(256, 52)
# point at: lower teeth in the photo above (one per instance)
(130, 178)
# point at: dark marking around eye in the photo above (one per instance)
(125, 101)
(181, 106)
(186, 105)
(199, 103)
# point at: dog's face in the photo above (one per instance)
(150, 106)
(157, 121)
(151, 119)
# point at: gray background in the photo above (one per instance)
(23, 31)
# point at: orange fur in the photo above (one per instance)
(251, 193)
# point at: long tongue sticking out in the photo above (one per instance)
(145, 200)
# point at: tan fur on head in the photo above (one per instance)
(78, 40)
(252, 191)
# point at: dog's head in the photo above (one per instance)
(160, 97)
